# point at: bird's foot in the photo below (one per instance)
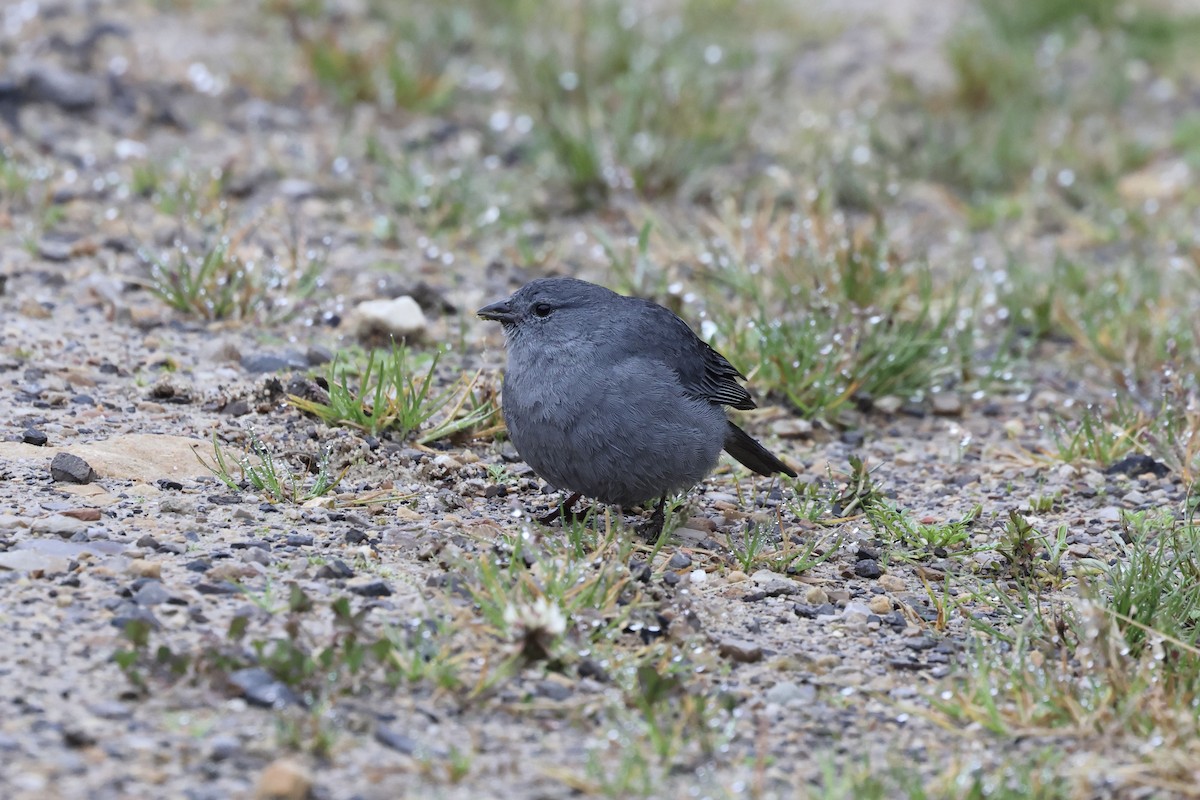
(565, 513)
(652, 528)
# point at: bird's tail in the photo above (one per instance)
(753, 455)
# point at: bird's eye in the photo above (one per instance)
(542, 310)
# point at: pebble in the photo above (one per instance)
(142, 568)
(400, 742)
(335, 570)
(222, 747)
(400, 317)
(1109, 514)
(880, 604)
(786, 692)
(151, 593)
(284, 779)
(34, 437)
(371, 589)
(263, 363)
(946, 404)
(67, 468)
(867, 568)
(792, 428)
(892, 583)
(740, 650)
(680, 560)
(260, 688)
(1135, 498)
(816, 596)
(58, 525)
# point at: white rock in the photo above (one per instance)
(401, 318)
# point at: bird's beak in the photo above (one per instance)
(500, 312)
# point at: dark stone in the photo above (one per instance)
(680, 560)
(260, 363)
(671, 578)
(222, 587)
(335, 570)
(919, 643)
(34, 437)
(867, 568)
(199, 565)
(110, 709)
(852, 438)
(260, 688)
(237, 408)
(372, 589)
(588, 668)
(316, 355)
(250, 544)
(906, 664)
(639, 570)
(554, 690)
(1138, 464)
(147, 541)
(67, 468)
(355, 536)
(169, 485)
(127, 612)
(299, 539)
(400, 742)
(151, 593)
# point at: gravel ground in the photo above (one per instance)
(810, 671)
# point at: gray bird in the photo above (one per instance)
(615, 397)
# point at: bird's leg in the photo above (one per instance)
(653, 527)
(564, 512)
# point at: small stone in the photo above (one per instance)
(83, 514)
(110, 709)
(284, 779)
(30, 562)
(222, 747)
(880, 604)
(400, 318)
(142, 568)
(856, 612)
(231, 571)
(680, 560)
(888, 404)
(816, 596)
(151, 593)
(372, 589)
(299, 539)
(792, 428)
(260, 688)
(67, 468)
(740, 650)
(1136, 498)
(262, 363)
(892, 583)
(335, 570)
(736, 576)
(867, 568)
(946, 404)
(58, 525)
(786, 692)
(1109, 514)
(34, 437)
(400, 742)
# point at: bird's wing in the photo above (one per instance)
(704, 373)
